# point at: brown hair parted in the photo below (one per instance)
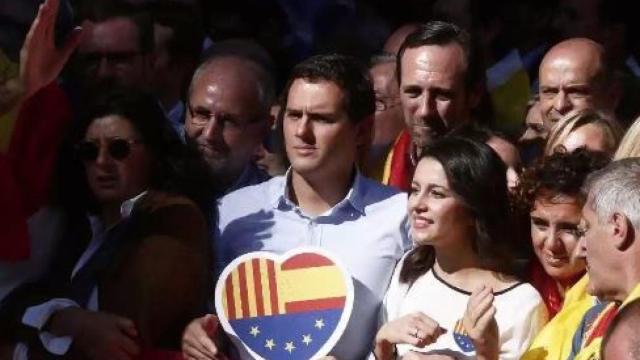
(476, 176)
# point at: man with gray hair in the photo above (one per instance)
(611, 246)
(228, 117)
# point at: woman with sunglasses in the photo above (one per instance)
(130, 188)
(456, 295)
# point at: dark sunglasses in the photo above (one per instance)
(118, 149)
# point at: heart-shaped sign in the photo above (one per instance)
(290, 306)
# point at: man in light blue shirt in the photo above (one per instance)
(322, 200)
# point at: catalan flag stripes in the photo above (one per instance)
(459, 328)
(260, 287)
(251, 290)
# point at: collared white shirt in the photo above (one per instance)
(367, 231)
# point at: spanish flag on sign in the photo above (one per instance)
(285, 310)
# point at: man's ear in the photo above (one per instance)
(622, 231)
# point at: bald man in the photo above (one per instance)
(395, 40)
(621, 341)
(228, 112)
(574, 75)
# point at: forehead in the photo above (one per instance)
(383, 71)
(442, 61)
(110, 126)
(113, 35)
(225, 87)
(558, 207)
(571, 64)
(321, 96)
(430, 171)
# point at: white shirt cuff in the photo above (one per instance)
(38, 316)
(20, 352)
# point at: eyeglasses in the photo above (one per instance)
(201, 117)
(383, 104)
(116, 59)
(118, 149)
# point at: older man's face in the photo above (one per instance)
(224, 118)
(388, 122)
(432, 91)
(570, 80)
(599, 250)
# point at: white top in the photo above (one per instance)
(367, 231)
(520, 314)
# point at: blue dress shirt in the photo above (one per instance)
(367, 231)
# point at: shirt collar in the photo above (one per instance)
(127, 206)
(354, 198)
(251, 175)
(98, 227)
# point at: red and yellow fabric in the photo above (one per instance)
(26, 167)
(398, 169)
(555, 339)
(593, 339)
(548, 288)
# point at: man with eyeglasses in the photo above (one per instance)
(228, 117)
(387, 120)
(117, 49)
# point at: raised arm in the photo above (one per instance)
(40, 60)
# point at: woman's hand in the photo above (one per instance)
(98, 335)
(480, 323)
(198, 339)
(40, 60)
(416, 329)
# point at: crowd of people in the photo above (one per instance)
(483, 195)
